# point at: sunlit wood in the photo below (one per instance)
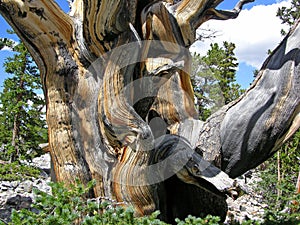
(87, 59)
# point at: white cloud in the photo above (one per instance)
(10, 49)
(254, 32)
(5, 48)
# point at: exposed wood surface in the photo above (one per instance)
(247, 138)
(120, 105)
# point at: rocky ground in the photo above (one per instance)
(18, 195)
(248, 206)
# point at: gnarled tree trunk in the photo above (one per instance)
(120, 106)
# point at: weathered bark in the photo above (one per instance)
(120, 104)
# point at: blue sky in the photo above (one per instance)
(254, 32)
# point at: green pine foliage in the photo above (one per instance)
(5, 42)
(70, 205)
(16, 171)
(278, 184)
(22, 116)
(289, 15)
(205, 86)
(22, 120)
(222, 62)
(192, 220)
(214, 78)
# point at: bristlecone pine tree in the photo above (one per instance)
(120, 106)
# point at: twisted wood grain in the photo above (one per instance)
(96, 131)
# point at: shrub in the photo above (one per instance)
(278, 182)
(16, 171)
(70, 205)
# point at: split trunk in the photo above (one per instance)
(120, 105)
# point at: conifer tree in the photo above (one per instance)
(22, 117)
(289, 15)
(100, 127)
(213, 77)
(279, 180)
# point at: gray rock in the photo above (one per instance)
(19, 190)
(3, 188)
(243, 208)
(19, 202)
(5, 214)
(18, 195)
(6, 184)
(14, 184)
(26, 185)
(42, 162)
(249, 205)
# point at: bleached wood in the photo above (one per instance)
(98, 132)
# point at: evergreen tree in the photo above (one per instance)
(22, 122)
(289, 15)
(5, 42)
(213, 77)
(205, 85)
(280, 178)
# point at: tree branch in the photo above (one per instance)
(39, 24)
(250, 130)
(176, 156)
(226, 14)
(190, 14)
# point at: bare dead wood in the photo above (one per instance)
(247, 138)
(116, 114)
